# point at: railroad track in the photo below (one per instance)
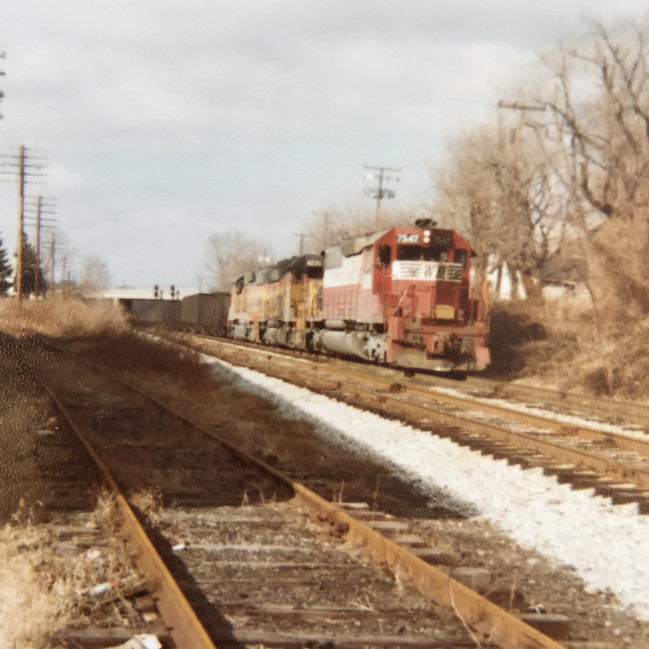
(611, 460)
(615, 411)
(252, 566)
(80, 535)
(608, 410)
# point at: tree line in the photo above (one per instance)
(93, 274)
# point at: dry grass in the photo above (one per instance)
(149, 505)
(42, 588)
(104, 329)
(560, 343)
(28, 609)
(59, 317)
(43, 591)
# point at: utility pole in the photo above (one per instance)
(52, 257)
(22, 166)
(57, 247)
(380, 192)
(43, 205)
(301, 235)
(3, 55)
(21, 225)
(524, 109)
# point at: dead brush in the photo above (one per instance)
(59, 317)
(35, 584)
(157, 364)
(149, 504)
(46, 590)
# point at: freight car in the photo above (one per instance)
(401, 296)
(206, 312)
(152, 311)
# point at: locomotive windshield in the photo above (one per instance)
(417, 253)
(435, 254)
(408, 253)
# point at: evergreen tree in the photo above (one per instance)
(29, 271)
(5, 270)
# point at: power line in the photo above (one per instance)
(22, 166)
(41, 206)
(380, 192)
(3, 55)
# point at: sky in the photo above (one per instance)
(160, 123)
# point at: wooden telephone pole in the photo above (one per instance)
(23, 166)
(21, 222)
(43, 205)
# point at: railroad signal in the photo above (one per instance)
(172, 290)
(155, 291)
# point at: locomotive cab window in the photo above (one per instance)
(408, 253)
(315, 272)
(435, 254)
(460, 257)
(238, 285)
(384, 255)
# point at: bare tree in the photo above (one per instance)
(496, 188)
(597, 102)
(230, 254)
(93, 275)
(327, 228)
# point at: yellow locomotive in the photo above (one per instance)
(278, 304)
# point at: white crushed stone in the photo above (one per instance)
(607, 545)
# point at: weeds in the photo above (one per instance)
(149, 504)
(46, 590)
(59, 317)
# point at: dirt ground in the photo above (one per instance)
(23, 407)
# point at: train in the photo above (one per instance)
(403, 296)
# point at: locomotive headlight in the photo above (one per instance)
(426, 236)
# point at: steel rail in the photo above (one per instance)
(529, 442)
(629, 411)
(501, 627)
(183, 625)
(592, 434)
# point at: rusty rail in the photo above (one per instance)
(495, 623)
(182, 623)
(525, 441)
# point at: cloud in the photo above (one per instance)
(61, 179)
(162, 117)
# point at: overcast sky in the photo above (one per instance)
(164, 122)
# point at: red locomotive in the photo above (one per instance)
(402, 296)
